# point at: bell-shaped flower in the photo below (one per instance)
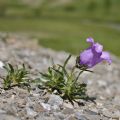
(94, 54)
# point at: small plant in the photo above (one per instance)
(64, 82)
(15, 77)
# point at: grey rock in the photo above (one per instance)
(79, 116)
(42, 116)
(89, 116)
(55, 100)
(71, 117)
(68, 111)
(68, 105)
(94, 117)
(46, 106)
(8, 117)
(89, 112)
(59, 116)
(11, 109)
(55, 108)
(2, 111)
(30, 112)
(116, 100)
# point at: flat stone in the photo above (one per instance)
(68, 105)
(59, 116)
(93, 117)
(79, 116)
(71, 117)
(89, 112)
(42, 116)
(8, 117)
(55, 100)
(68, 111)
(30, 112)
(46, 106)
(2, 111)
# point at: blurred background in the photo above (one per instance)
(64, 24)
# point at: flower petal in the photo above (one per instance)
(98, 47)
(90, 40)
(86, 57)
(106, 56)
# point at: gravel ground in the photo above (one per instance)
(19, 104)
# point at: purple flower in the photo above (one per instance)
(94, 54)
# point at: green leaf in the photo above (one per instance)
(64, 70)
(44, 75)
(66, 61)
(57, 71)
(11, 67)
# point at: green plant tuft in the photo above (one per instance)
(63, 82)
(15, 76)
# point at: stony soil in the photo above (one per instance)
(19, 104)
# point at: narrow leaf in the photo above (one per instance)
(11, 67)
(66, 61)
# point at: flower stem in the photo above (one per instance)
(73, 69)
(79, 75)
